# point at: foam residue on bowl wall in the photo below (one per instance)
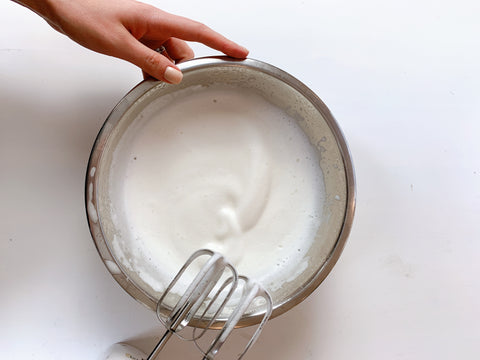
(91, 209)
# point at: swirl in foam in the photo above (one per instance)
(216, 168)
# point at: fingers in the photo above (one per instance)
(163, 29)
(151, 62)
(190, 30)
(178, 50)
(175, 50)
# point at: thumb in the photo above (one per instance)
(151, 62)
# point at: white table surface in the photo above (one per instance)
(403, 81)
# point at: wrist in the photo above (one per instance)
(44, 8)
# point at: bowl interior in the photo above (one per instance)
(273, 86)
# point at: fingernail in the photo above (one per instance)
(173, 75)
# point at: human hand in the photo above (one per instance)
(131, 30)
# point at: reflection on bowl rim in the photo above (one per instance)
(91, 196)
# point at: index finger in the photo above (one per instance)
(190, 30)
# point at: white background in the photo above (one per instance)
(403, 80)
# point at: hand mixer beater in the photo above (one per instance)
(216, 298)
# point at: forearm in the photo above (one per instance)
(41, 7)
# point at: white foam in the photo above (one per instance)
(221, 169)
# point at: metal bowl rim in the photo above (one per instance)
(192, 65)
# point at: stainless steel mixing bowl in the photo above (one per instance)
(282, 90)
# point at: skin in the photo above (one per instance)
(130, 30)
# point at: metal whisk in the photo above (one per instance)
(207, 298)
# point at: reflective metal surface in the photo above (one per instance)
(281, 89)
